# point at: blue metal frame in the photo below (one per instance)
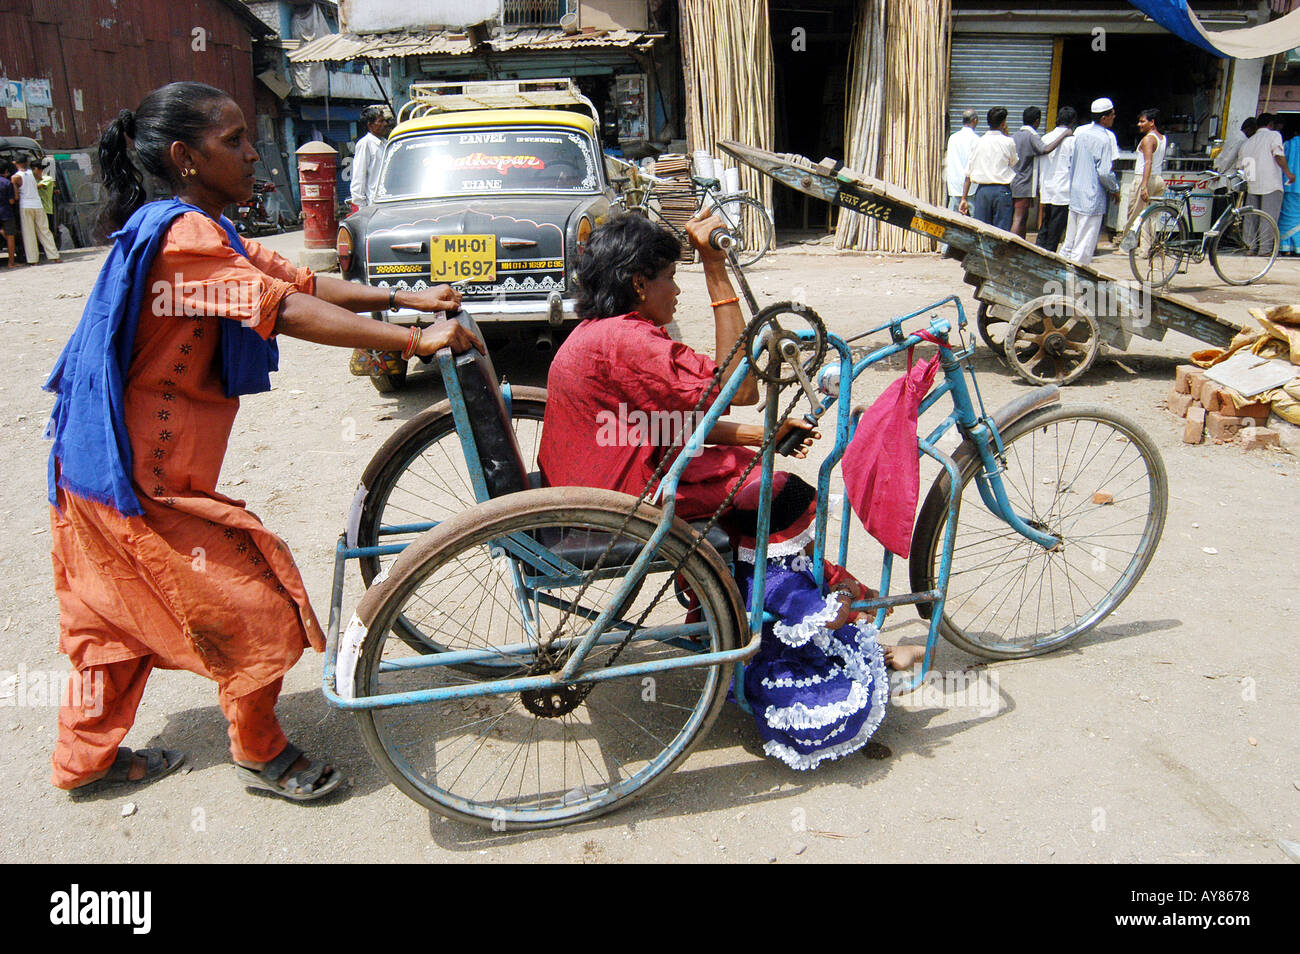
(536, 569)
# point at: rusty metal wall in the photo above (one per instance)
(114, 52)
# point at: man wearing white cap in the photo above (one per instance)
(1092, 181)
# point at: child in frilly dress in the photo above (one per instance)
(818, 687)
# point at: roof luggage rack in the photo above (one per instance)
(428, 99)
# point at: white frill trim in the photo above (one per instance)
(871, 661)
(787, 683)
(785, 548)
(799, 716)
(811, 626)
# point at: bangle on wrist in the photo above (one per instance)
(413, 344)
(392, 299)
(725, 301)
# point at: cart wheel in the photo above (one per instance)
(1052, 340)
(1085, 474)
(992, 330)
(534, 758)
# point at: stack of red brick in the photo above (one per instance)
(1209, 409)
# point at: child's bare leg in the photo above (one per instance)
(902, 657)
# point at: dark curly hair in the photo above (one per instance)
(618, 251)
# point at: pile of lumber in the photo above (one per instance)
(676, 203)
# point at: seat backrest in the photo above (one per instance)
(497, 449)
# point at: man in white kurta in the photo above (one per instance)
(368, 154)
(1092, 182)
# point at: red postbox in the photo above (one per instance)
(317, 175)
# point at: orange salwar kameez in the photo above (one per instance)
(197, 582)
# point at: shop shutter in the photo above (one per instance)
(987, 70)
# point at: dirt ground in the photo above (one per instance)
(1168, 734)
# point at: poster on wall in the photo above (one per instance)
(38, 92)
(11, 97)
(37, 116)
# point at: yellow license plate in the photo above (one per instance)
(463, 257)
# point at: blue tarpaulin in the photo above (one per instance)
(1265, 39)
(1174, 16)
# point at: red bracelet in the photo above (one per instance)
(726, 301)
(416, 334)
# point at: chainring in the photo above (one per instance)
(770, 364)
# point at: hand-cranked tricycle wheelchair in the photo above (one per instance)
(539, 656)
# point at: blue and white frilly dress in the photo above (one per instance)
(815, 693)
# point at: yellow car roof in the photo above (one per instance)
(497, 117)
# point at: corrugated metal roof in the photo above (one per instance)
(556, 39)
(346, 46)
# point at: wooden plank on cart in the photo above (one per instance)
(1007, 271)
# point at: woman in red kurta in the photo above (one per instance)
(194, 580)
(620, 390)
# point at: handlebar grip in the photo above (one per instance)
(721, 239)
(791, 442)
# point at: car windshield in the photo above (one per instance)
(461, 161)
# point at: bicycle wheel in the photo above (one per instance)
(1083, 473)
(1247, 247)
(1162, 242)
(537, 759)
(419, 474)
(752, 227)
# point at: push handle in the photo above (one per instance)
(790, 443)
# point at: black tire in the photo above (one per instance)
(1139, 491)
(492, 759)
(426, 453)
(1230, 255)
(1162, 244)
(389, 383)
(751, 226)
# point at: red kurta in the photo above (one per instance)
(197, 581)
(619, 393)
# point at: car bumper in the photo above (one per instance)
(553, 311)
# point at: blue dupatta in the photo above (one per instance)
(91, 455)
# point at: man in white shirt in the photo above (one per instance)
(31, 212)
(1226, 160)
(957, 158)
(368, 154)
(1263, 160)
(1054, 181)
(992, 166)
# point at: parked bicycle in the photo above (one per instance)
(1242, 244)
(745, 217)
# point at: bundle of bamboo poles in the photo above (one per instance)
(912, 72)
(727, 52)
(862, 119)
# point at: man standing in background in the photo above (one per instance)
(1263, 159)
(1029, 146)
(1226, 160)
(1092, 182)
(368, 154)
(957, 158)
(991, 168)
(1054, 181)
(35, 222)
